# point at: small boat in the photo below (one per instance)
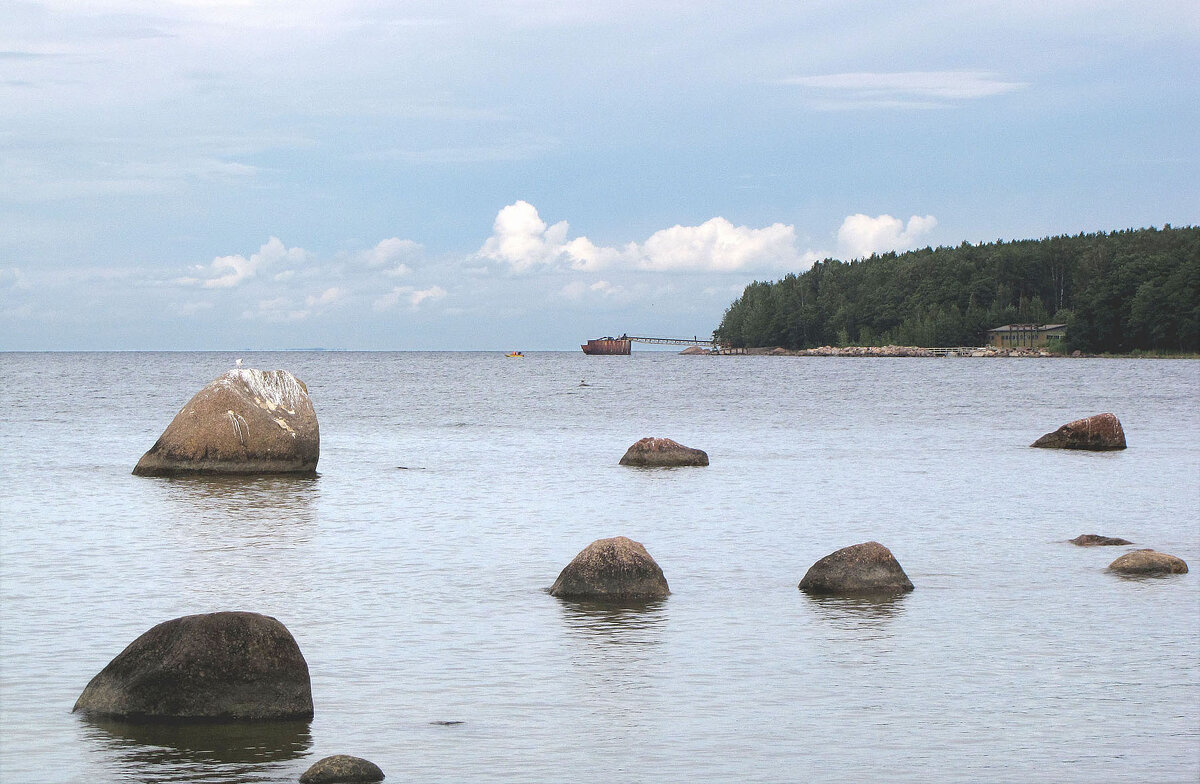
(515, 354)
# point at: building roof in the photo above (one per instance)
(1028, 327)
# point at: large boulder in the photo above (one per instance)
(660, 452)
(1148, 562)
(245, 422)
(342, 769)
(217, 666)
(865, 569)
(1099, 433)
(616, 569)
(1096, 540)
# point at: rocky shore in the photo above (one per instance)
(887, 351)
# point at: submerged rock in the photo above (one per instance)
(616, 569)
(215, 666)
(342, 769)
(1096, 540)
(663, 452)
(861, 569)
(1099, 433)
(245, 422)
(1148, 562)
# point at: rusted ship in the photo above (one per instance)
(608, 345)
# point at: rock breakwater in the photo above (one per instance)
(899, 351)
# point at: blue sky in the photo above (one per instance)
(237, 174)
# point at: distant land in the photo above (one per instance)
(1136, 290)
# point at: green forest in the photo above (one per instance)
(1136, 290)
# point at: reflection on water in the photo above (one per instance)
(234, 752)
(858, 610)
(254, 493)
(220, 504)
(626, 623)
(1148, 579)
(615, 648)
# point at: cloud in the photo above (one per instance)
(718, 246)
(521, 239)
(524, 242)
(277, 309)
(326, 297)
(432, 293)
(861, 235)
(903, 88)
(228, 271)
(413, 296)
(577, 289)
(11, 278)
(187, 309)
(393, 251)
(516, 150)
(284, 309)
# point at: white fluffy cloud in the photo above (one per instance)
(521, 239)
(524, 242)
(861, 235)
(228, 271)
(394, 252)
(288, 285)
(718, 246)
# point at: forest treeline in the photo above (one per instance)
(1118, 292)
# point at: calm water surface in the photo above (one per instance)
(454, 487)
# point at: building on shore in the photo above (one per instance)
(1027, 335)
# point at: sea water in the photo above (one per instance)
(453, 487)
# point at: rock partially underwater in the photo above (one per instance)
(1099, 433)
(222, 666)
(1148, 562)
(342, 769)
(867, 569)
(1096, 540)
(612, 570)
(663, 453)
(245, 422)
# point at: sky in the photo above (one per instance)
(523, 174)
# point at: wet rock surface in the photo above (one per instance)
(342, 769)
(245, 422)
(1096, 540)
(617, 569)
(867, 569)
(223, 666)
(1099, 433)
(1148, 562)
(663, 452)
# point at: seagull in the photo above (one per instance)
(239, 362)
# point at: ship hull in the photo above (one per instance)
(611, 346)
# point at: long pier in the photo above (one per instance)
(695, 341)
(620, 345)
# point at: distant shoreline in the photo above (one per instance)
(922, 352)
